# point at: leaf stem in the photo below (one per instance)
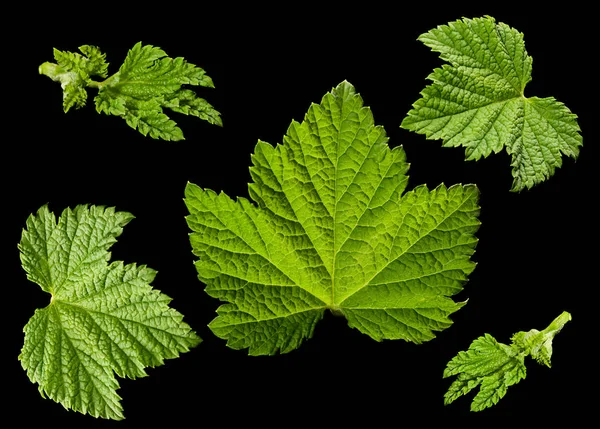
(94, 84)
(336, 311)
(111, 80)
(557, 324)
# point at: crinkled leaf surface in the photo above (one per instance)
(103, 318)
(477, 101)
(494, 366)
(330, 227)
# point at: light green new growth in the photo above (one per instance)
(147, 82)
(495, 366)
(332, 228)
(478, 101)
(103, 319)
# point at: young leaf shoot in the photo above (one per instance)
(477, 101)
(330, 227)
(147, 82)
(495, 366)
(103, 319)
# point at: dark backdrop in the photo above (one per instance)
(535, 255)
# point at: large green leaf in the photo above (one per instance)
(330, 228)
(103, 319)
(478, 101)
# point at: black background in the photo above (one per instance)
(536, 250)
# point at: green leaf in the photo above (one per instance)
(477, 101)
(147, 82)
(330, 227)
(103, 318)
(495, 366)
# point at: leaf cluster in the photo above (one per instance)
(329, 224)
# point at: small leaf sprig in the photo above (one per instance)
(495, 366)
(147, 82)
